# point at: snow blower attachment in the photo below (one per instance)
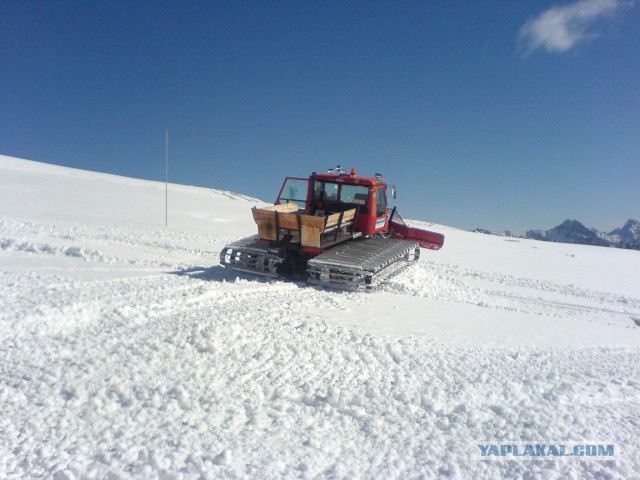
(335, 229)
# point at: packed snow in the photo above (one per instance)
(129, 352)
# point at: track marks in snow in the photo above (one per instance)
(202, 374)
(153, 247)
(178, 376)
(492, 290)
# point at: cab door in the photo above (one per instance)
(382, 209)
(294, 190)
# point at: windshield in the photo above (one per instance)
(354, 194)
(333, 192)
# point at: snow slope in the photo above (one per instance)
(128, 352)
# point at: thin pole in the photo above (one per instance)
(166, 178)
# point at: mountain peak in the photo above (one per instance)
(629, 234)
(573, 231)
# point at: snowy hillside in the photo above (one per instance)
(128, 352)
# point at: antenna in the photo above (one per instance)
(166, 178)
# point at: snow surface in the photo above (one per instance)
(128, 352)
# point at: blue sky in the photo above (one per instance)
(494, 114)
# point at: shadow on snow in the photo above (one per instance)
(217, 273)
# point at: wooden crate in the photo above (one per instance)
(276, 220)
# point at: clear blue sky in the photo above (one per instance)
(494, 114)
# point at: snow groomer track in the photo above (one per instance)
(364, 263)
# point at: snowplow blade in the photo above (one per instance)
(425, 238)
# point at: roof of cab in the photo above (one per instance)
(349, 179)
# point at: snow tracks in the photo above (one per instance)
(158, 364)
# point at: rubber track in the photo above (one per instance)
(252, 256)
(362, 263)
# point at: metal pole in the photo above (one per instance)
(166, 179)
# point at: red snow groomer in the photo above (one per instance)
(336, 229)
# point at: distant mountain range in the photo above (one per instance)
(572, 231)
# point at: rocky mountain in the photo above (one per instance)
(572, 231)
(627, 235)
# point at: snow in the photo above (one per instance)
(128, 352)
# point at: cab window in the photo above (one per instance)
(381, 203)
(294, 190)
(325, 191)
(354, 194)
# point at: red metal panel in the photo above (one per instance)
(425, 238)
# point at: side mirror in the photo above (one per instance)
(393, 191)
